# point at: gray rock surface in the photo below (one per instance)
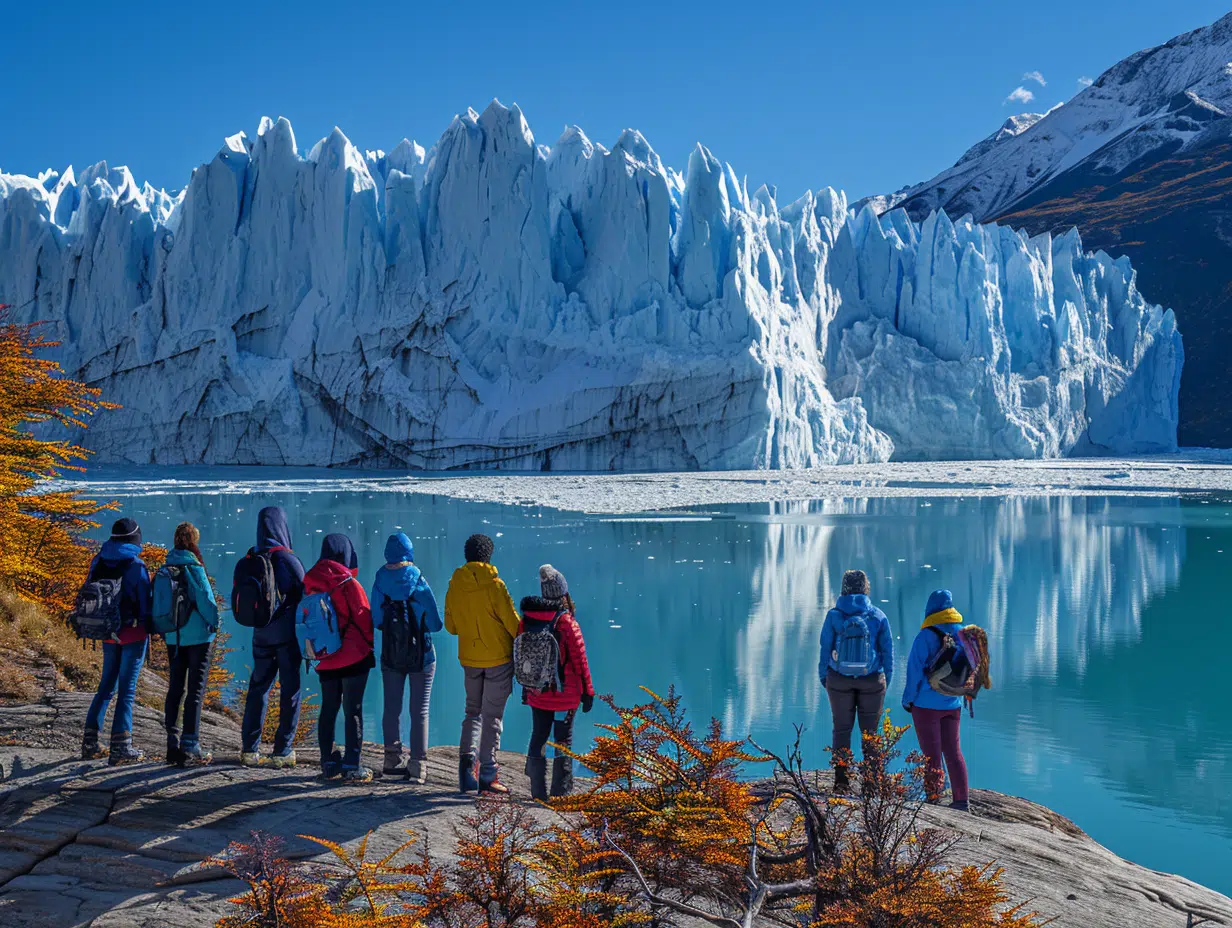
(82, 844)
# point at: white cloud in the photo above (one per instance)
(1035, 76)
(1020, 95)
(1085, 82)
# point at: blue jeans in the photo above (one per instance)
(121, 668)
(281, 661)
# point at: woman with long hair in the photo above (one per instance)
(189, 647)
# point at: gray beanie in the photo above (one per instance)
(552, 583)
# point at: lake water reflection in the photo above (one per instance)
(1107, 617)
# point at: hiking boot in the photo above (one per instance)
(395, 762)
(417, 771)
(331, 768)
(195, 757)
(562, 776)
(360, 774)
(175, 756)
(250, 759)
(537, 770)
(960, 805)
(90, 749)
(466, 774)
(283, 761)
(122, 750)
(493, 785)
(842, 781)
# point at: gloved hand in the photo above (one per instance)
(907, 708)
(587, 703)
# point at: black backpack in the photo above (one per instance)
(254, 590)
(96, 613)
(403, 639)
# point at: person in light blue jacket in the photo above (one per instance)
(856, 667)
(189, 650)
(405, 610)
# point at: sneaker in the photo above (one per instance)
(360, 774)
(417, 771)
(283, 761)
(195, 757)
(252, 759)
(961, 805)
(493, 785)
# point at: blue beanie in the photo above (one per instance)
(938, 601)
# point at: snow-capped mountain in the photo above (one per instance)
(497, 303)
(1141, 163)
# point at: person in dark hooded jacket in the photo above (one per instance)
(275, 651)
(401, 590)
(120, 559)
(343, 673)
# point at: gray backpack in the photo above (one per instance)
(536, 658)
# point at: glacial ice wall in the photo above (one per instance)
(496, 303)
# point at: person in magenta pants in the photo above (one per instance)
(936, 717)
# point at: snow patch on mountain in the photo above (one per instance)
(493, 302)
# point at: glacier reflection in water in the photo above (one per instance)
(1105, 613)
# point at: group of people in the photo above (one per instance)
(478, 610)
(857, 667)
(857, 660)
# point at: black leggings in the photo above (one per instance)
(188, 675)
(345, 693)
(542, 724)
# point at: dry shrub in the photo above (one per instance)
(28, 637)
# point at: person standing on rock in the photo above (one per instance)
(405, 610)
(269, 582)
(480, 611)
(857, 665)
(188, 647)
(344, 672)
(937, 717)
(120, 560)
(554, 707)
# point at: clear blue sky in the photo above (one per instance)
(866, 95)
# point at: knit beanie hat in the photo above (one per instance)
(855, 582)
(479, 548)
(126, 531)
(552, 583)
(939, 601)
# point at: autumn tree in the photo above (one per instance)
(42, 557)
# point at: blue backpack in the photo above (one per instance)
(316, 625)
(854, 655)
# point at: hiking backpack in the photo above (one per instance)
(854, 655)
(536, 657)
(961, 666)
(403, 640)
(254, 593)
(96, 613)
(316, 625)
(172, 601)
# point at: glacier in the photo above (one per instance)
(497, 303)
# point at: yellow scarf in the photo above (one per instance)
(949, 616)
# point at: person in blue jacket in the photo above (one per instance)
(120, 559)
(188, 652)
(275, 649)
(857, 665)
(401, 589)
(937, 717)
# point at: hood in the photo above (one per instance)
(398, 549)
(328, 573)
(536, 609)
(272, 529)
(117, 552)
(474, 575)
(337, 547)
(853, 604)
(180, 558)
(398, 582)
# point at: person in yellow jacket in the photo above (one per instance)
(480, 611)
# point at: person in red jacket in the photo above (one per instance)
(344, 674)
(553, 710)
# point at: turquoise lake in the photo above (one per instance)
(1108, 619)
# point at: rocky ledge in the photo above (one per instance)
(82, 844)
